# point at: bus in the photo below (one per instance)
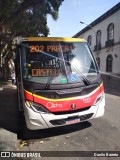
(58, 82)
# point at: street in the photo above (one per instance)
(102, 134)
(8, 118)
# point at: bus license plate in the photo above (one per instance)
(73, 121)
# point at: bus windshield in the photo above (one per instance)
(61, 61)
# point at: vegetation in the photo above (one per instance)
(24, 18)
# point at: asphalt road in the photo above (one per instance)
(102, 134)
(8, 118)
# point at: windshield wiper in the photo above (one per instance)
(49, 82)
(83, 78)
(52, 77)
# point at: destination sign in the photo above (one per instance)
(50, 48)
(45, 72)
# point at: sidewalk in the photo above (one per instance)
(1, 86)
(7, 84)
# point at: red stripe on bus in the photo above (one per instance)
(65, 105)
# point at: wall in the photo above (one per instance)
(115, 50)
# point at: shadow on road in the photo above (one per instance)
(9, 109)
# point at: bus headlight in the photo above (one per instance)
(36, 107)
(99, 98)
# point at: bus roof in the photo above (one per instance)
(63, 39)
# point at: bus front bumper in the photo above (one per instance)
(37, 120)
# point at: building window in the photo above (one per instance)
(98, 61)
(98, 37)
(89, 39)
(110, 32)
(109, 62)
(98, 41)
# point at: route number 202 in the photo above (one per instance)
(37, 48)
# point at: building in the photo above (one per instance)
(103, 35)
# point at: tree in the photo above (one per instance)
(11, 12)
(24, 18)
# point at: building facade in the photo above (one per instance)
(103, 36)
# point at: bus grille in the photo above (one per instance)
(63, 121)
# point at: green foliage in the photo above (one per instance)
(25, 18)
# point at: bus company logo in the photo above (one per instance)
(73, 106)
(87, 99)
(53, 105)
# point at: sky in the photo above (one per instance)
(71, 12)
